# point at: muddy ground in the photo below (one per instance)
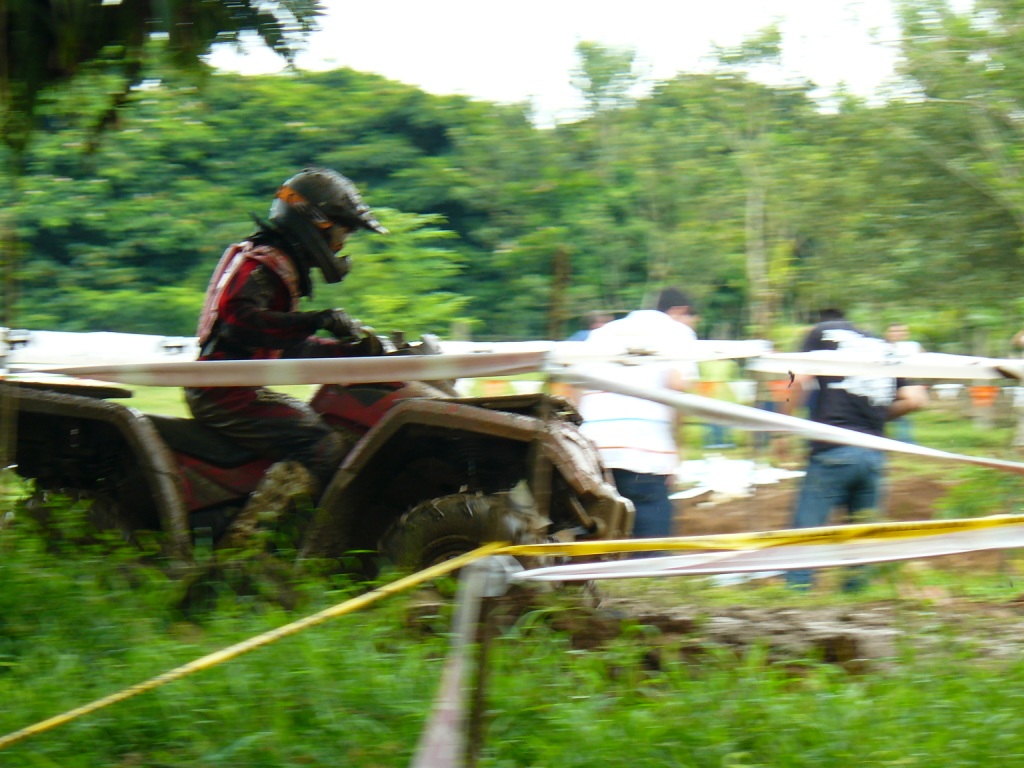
(770, 506)
(855, 633)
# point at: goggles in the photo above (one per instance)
(335, 234)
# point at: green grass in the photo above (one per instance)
(169, 401)
(80, 623)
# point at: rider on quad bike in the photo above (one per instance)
(406, 472)
(251, 312)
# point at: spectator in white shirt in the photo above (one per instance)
(637, 438)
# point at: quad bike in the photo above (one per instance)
(429, 475)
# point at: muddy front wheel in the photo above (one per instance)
(440, 529)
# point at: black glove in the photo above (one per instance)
(337, 323)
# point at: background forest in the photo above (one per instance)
(767, 202)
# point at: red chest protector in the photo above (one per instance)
(234, 257)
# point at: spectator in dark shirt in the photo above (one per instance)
(841, 475)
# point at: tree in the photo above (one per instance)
(44, 43)
(752, 134)
(181, 174)
(968, 66)
(47, 42)
(962, 116)
(605, 78)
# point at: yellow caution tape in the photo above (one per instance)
(759, 540)
(234, 651)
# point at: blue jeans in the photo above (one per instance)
(649, 494)
(843, 476)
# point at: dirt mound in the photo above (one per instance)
(857, 637)
(770, 507)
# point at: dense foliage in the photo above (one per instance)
(44, 43)
(763, 200)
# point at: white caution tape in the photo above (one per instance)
(458, 360)
(857, 362)
(789, 557)
(634, 352)
(326, 370)
(755, 419)
(140, 355)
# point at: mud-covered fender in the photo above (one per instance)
(362, 500)
(45, 416)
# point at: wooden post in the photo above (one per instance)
(445, 741)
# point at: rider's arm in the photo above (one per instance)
(255, 309)
(255, 315)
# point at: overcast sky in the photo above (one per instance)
(513, 52)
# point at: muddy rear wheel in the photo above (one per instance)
(439, 529)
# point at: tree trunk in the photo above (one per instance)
(561, 277)
(757, 260)
(8, 263)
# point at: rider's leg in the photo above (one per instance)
(285, 486)
(271, 424)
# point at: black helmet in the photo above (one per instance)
(310, 205)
